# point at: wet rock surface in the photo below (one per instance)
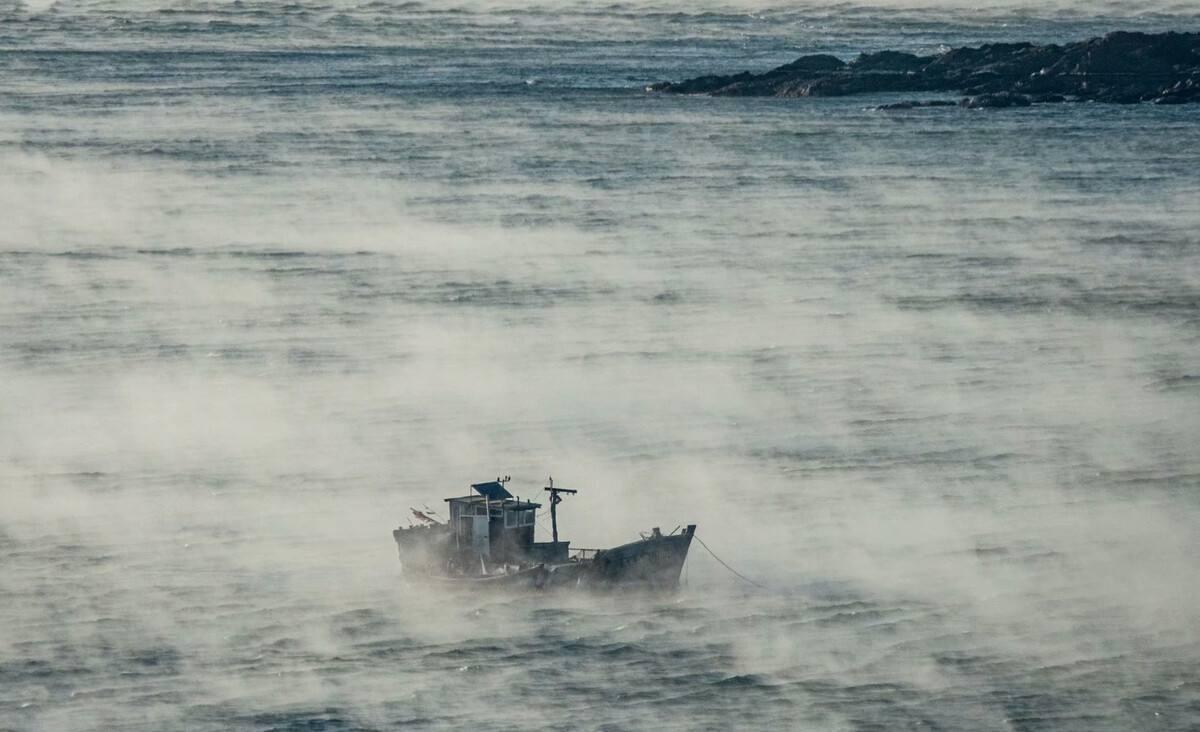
(1121, 67)
(917, 104)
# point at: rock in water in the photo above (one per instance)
(1120, 67)
(916, 104)
(1001, 100)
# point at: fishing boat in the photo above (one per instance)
(488, 540)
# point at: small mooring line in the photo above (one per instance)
(726, 566)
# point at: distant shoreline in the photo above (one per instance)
(1118, 68)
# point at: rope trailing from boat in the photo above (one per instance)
(726, 566)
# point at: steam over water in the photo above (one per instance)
(272, 274)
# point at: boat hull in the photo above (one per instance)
(533, 578)
(653, 563)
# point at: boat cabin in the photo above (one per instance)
(495, 528)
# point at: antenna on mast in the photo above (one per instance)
(555, 499)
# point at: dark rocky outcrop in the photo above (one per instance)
(918, 104)
(1121, 67)
(999, 100)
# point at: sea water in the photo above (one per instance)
(272, 274)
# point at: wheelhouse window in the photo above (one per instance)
(510, 519)
(527, 518)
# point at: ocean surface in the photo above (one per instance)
(273, 273)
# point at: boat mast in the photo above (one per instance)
(554, 501)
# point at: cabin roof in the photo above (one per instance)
(510, 503)
(493, 489)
